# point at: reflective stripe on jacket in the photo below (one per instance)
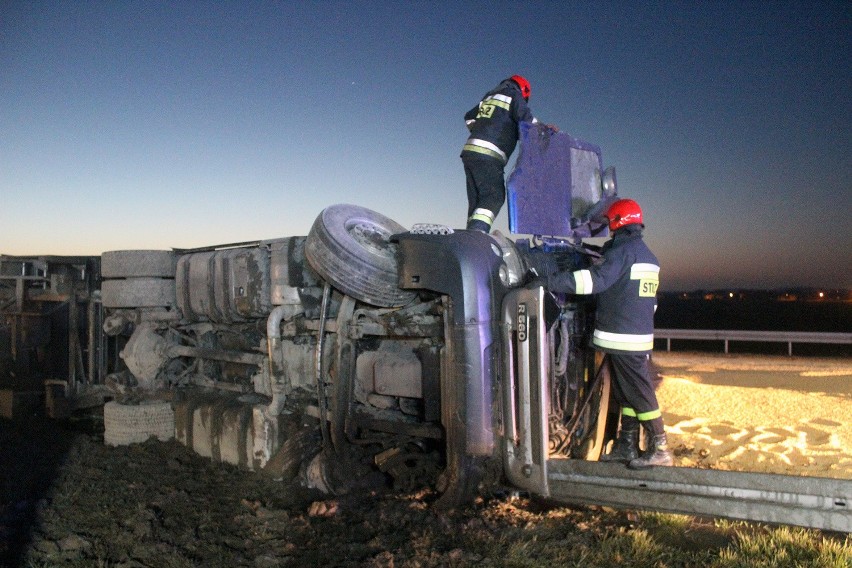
(493, 123)
(626, 283)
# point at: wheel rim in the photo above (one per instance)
(369, 236)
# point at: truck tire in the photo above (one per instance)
(138, 264)
(138, 293)
(349, 246)
(126, 424)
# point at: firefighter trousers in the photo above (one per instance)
(633, 388)
(486, 186)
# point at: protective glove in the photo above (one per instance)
(564, 259)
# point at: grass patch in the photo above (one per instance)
(784, 546)
(659, 540)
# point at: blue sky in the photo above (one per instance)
(155, 125)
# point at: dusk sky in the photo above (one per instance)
(154, 125)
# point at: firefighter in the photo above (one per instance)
(493, 125)
(625, 281)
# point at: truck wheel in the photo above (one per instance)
(138, 293)
(349, 246)
(126, 424)
(138, 264)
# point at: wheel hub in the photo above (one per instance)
(369, 236)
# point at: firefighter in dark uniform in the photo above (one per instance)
(626, 283)
(493, 125)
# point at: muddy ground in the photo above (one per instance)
(67, 499)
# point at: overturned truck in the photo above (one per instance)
(262, 359)
(364, 347)
(363, 353)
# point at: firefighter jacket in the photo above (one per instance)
(493, 123)
(626, 284)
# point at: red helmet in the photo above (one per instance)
(523, 84)
(623, 212)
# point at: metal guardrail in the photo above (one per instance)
(813, 502)
(727, 335)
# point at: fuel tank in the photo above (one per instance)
(224, 286)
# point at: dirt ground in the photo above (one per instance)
(70, 500)
(66, 499)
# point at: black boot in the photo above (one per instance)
(657, 453)
(625, 449)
